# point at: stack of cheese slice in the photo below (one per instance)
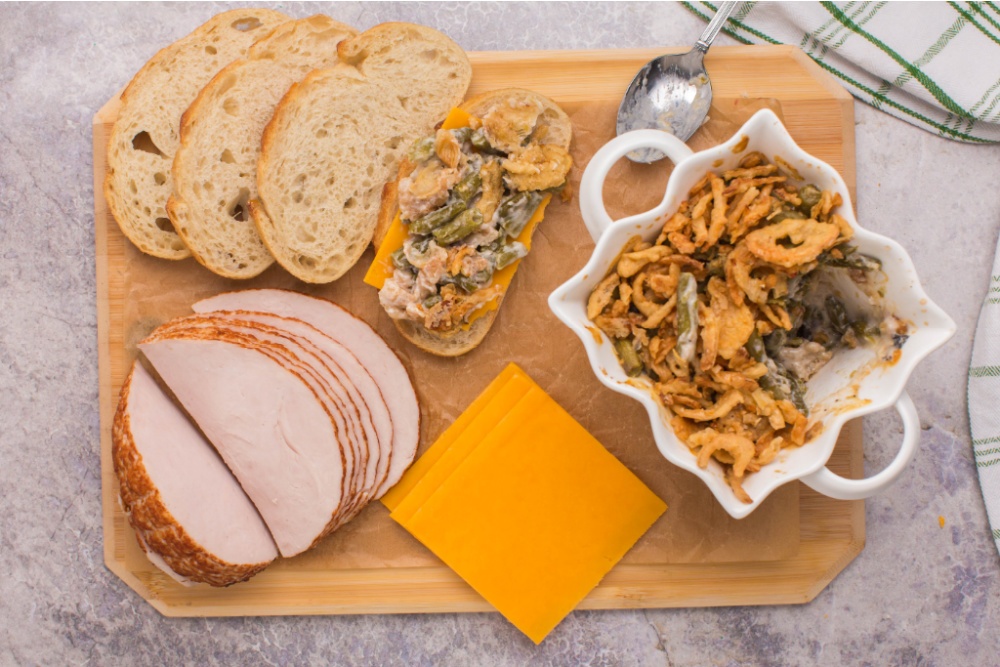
(523, 503)
(307, 407)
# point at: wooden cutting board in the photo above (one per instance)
(800, 540)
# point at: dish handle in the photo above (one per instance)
(595, 216)
(830, 484)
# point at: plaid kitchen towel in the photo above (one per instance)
(933, 64)
(984, 389)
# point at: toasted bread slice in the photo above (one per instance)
(551, 127)
(145, 136)
(336, 138)
(215, 169)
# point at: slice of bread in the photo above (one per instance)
(553, 126)
(145, 137)
(215, 169)
(336, 138)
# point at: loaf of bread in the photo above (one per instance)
(145, 136)
(337, 137)
(215, 167)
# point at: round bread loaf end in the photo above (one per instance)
(145, 136)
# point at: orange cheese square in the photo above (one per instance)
(470, 427)
(534, 515)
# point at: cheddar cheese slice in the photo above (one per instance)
(498, 417)
(534, 514)
(426, 461)
(382, 269)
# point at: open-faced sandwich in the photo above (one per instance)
(456, 223)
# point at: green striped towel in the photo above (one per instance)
(984, 392)
(933, 64)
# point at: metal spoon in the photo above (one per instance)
(672, 93)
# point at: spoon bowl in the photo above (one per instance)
(671, 93)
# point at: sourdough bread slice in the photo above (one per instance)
(216, 164)
(145, 136)
(336, 139)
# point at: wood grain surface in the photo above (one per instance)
(818, 114)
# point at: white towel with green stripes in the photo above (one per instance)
(933, 64)
(984, 399)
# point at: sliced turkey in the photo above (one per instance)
(348, 371)
(188, 511)
(269, 426)
(367, 346)
(289, 351)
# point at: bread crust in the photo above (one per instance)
(466, 340)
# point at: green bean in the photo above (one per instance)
(469, 187)
(464, 224)
(509, 254)
(515, 211)
(499, 243)
(476, 282)
(837, 315)
(754, 346)
(480, 142)
(399, 260)
(628, 356)
(774, 341)
(810, 196)
(422, 150)
(687, 316)
(864, 331)
(798, 395)
(768, 384)
(432, 300)
(788, 214)
(434, 219)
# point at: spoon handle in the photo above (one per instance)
(715, 25)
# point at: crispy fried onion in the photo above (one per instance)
(538, 167)
(729, 401)
(492, 178)
(724, 236)
(449, 314)
(507, 126)
(711, 441)
(809, 238)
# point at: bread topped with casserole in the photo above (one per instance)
(460, 216)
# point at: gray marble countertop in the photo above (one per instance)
(919, 593)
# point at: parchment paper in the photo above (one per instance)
(694, 528)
